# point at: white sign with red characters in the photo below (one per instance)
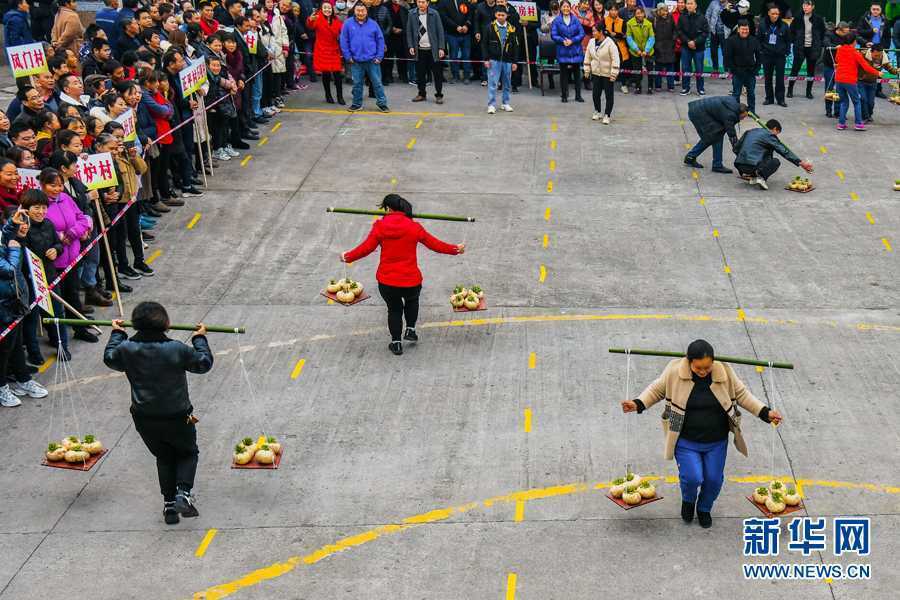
(528, 11)
(28, 179)
(252, 40)
(96, 171)
(39, 281)
(126, 120)
(192, 77)
(27, 59)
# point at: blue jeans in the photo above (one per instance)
(867, 99)
(849, 92)
(705, 143)
(460, 49)
(670, 79)
(499, 72)
(688, 57)
(701, 465)
(256, 95)
(828, 75)
(359, 70)
(744, 80)
(87, 268)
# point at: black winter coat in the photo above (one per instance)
(759, 144)
(798, 34)
(715, 116)
(782, 44)
(693, 27)
(452, 17)
(41, 237)
(491, 49)
(742, 55)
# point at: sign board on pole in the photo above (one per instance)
(27, 59)
(192, 77)
(126, 120)
(252, 40)
(39, 281)
(28, 179)
(528, 11)
(97, 171)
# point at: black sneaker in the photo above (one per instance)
(184, 504)
(354, 107)
(170, 514)
(705, 519)
(35, 361)
(192, 191)
(687, 511)
(128, 273)
(64, 355)
(85, 336)
(396, 348)
(125, 289)
(144, 269)
(692, 162)
(724, 170)
(384, 108)
(147, 236)
(411, 334)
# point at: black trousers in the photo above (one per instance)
(715, 42)
(764, 169)
(338, 84)
(773, 67)
(425, 63)
(159, 170)
(173, 441)
(802, 55)
(401, 302)
(12, 357)
(564, 70)
(601, 86)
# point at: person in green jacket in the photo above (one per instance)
(639, 34)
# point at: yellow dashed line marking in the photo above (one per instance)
(741, 315)
(276, 127)
(298, 368)
(823, 149)
(760, 369)
(153, 257)
(511, 586)
(687, 146)
(810, 133)
(412, 142)
(547, 214)
(532, 360)
(553, 144)
(715, 233)
(543, 275)
(870, 217)
(702, 201)
(681, 121)
(207, 539)
(887, 244)
(520, 511)
(47, 364)
(549, 186)
(840, 174)
(552, 165)
(829, 580)
(246, 160)
(330, 301)
(695, 174)
(193, 221)
(527, 425)
(263, 141)
(419, 123)
(854, 196)
(546, 241)
(554, 127)
(394, 181)
(727, 269)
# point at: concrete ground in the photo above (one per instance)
(474, 466)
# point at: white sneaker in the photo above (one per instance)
(606, 119)
(762, 183)
(492, 109)
(270, 111)
(484, 84)
(595, 116)
(506, 108)
(624, 89)
(30, 388)
(221, 154)
(231, 151)
(7, 398)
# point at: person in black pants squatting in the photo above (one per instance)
(160, 404)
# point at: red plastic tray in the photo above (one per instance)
(85, 466)
(787, 509)
(806, 191)
(481, 306)
(358, 299)
(255, 465)
(643, 502)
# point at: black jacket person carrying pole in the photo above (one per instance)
(713, 118)
(160, 404)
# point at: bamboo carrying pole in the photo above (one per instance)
(175, 326)
(71, 309)
(381, 213)
(112, 264)
(763, 125)
(728, 359)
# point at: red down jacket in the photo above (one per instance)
(398, 236)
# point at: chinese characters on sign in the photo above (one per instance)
(252, 40)
(39, 281)
(527, 11)
(27, 59)
(28, 179)
(126, 119)
(192, 77)
(96, 171)
(807, 535)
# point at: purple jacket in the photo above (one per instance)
(71, 222)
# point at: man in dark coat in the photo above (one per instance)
(775, 43)
(457, 18)
(425, 40)
(17, 25)
(160, 404)
(754, 154)
(713, 118)
(807, 34)
(41, 19)
(742, 58)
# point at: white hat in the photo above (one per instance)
(743, 6)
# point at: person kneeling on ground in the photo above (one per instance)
(755, 154)
(160, 405)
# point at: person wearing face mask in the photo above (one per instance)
(703, 397)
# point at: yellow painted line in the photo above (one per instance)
(854, 196)
(246, 160)
(823, 149)
(810, 133)
(149, 260)
(553, 144)
(419, 123)
(543, 275)
(741, 315)
(549, 185)
(207, 539)
(695, 174)
(298, 368)
(263, 141)
(546, 240)
(47, 364)
(511, 586)
(887, 244)
(554, 127)
(532, 360)
(870, 217)
(840, 174)
(760, 369)
(520, 511)
(687, 146)
(378, 113)
(412, 142)
(393, 181)
(552, 165)
(276, 127)
(702, 201)
(715, 233)
(193, 221)
(727, 269)
(681, 121)
(330, 301)
(547, 214)
(527, 420)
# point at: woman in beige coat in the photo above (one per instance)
(67, 32)
(601, 65)
(702, 399)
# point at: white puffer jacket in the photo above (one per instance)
(601, 59)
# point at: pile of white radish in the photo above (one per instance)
(463, 297)
(73, 450)
(776, 496)
(262, 451)
(632, 489)
(345, 290)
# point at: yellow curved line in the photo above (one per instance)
(518, 499)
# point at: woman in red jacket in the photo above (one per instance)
(327, 50)
(847, 61)
(398, 275)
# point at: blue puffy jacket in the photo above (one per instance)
(16, 29)
(11, 275)
(561, 32)
(362, 42)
